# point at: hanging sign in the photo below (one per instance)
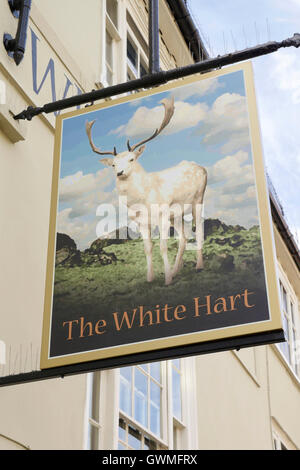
(160, 229)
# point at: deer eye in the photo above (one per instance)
(131, 160)
(113, 165)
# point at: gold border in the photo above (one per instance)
(265, 224)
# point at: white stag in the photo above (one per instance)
(180, 186)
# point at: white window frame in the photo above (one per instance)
(93, 403)
(180, 433)
(109, 28)
(141, 56)
(292, 319)
(162, 439)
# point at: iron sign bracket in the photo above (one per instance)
(160, 77)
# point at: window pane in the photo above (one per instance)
(140, 397)
(126, 372)
(125, 389)
(284, 299)
(285, 327)
(143, 70)
(286, 350)
(176, 393)
(121, 446)
(134, 438)
(155, 394)
(109, 55)
(131, 54)
(155, 407)
(155, 419)
(176, 363)
(155, 371)
(292, 312)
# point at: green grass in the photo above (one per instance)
(123, 285)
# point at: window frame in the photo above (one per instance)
(161, 439)
(141, 56)
(94, 415)
(109, 28)
(291, 316)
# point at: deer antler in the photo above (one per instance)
(169, 111)
(88, 128)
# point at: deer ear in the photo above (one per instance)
(139, 152)
(107, 161)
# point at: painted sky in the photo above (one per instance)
(210, 126)
(236, 24)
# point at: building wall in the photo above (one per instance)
(59, 62)
(233, 400)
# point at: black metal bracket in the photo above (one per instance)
(161, 77)
(15, 47)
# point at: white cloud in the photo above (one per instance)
(73, 186)
(82, 194)
(146, 120)
(231, 194)
(227, 123)
(83, 233)
(199, 88)
(278, 105)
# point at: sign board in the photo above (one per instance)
(160, 229)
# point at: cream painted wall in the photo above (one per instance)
(233, 404)
(48, 414)
(284, 396)
(237, 394)
(76, 23)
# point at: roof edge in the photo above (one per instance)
(284, 230)
(188, 29)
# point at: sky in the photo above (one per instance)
(237, 24)
(210, 126)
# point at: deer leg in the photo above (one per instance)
(197, 215)
(181, 247)
(164, 254)
(148, 252)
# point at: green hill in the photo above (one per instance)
(112, 273)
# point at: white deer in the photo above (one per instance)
(179, 186)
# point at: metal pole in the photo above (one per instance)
(153, 36)
(161, 77)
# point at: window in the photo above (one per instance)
(111, 42)
(288, 312)
(176, 389)
(136, 62)
(133, 438)
(141, 395)
(94, 426)
(177, 411)
(152, 412)
(109, 59)
(137, 51)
